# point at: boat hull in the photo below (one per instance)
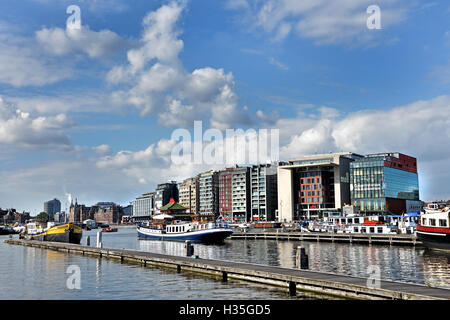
(433, 239)
(65, 233)
(204, 236)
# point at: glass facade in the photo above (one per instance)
(371, 182)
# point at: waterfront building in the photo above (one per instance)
(209, 193)
(164, 192)
(189, 194)
(385, 183)
(309, 186)
(52, 207)
(78, 213)
(144, 207)
(225, 180)
(241, 194)
(106, 213)
(264, 195)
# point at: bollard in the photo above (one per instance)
(301, 259)
(88, 241)
(99, 240)
(189, 248)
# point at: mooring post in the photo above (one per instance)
(88, 241)
(301, 260)
(99, 240)
(189, 248)
(292, 288)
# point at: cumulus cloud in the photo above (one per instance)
(20, 129)
(158, 83)
(21, 63)
(95, 44)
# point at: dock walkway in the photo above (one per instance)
(291, 279)
(384, 239)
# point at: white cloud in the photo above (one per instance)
(158, 83)
(21, 62)
(95, 44)
(322, 20)
(20, 129)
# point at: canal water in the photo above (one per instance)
(33, 273)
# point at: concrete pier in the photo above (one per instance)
(384, 239)
(284, 278)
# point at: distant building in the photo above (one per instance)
(310, 186)
(189, 194)
(385, 183)
(209, 193)
(52, 207)
(107, 213)
(263, 191)
(144, 207)
(241, 194)
(78, 213)
(225, 180)
(164, 192)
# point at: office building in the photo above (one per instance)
(241, 194)
(52, 207)
(164, 192)
(225, 178)
(144, 207)
(385, 183)
(310, 186)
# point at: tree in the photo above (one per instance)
(42, 217)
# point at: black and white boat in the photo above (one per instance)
(434, 229)
(169, 229)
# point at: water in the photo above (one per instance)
(32, 273)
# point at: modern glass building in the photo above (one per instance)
(384, 183)
(52, 207)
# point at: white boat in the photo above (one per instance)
(434, 228)
(211, 232)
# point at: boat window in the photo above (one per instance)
(432, 222)
(363, 230)
(380, 230)
(350, 220)
(355, 229)
(424, 221)
(372, 230)
(442, 223)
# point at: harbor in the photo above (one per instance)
(293, 280)
(267, 266)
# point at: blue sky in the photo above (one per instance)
(91, 113)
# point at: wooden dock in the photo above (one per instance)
(291, 280)
(384, 239)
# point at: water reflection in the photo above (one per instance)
(406, 264)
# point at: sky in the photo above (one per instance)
(88, 110)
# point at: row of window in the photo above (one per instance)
(432, 222)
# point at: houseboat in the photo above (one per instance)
(174, 224)
(69, 233)
(354, 224)
(434, 229)
(211, 232)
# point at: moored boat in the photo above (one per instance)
(434, 229)
(109, 229)
(167, 229)
(69, 233)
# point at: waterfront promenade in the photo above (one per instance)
(289, 279)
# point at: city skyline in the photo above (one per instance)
(90, 112)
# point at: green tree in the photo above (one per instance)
(42, 217)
